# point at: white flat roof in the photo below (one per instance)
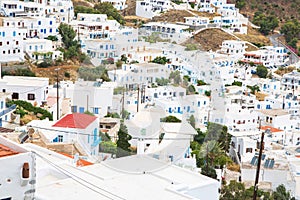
(134, 177)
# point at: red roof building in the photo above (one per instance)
(75, 120)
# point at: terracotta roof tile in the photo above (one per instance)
(6, 151)
(75, 120)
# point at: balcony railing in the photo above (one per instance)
(11, 108)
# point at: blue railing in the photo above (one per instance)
(11, 108)
(97, 141)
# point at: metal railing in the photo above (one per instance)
(11, 108)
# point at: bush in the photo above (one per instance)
(24, 106)
(67, 75)
(44, 64)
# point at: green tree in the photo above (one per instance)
(207, 93)
(240, 3)
(234, 190)
(124, 58)
(191, 89)
(84, 9)
(254, 88)
(68, 35)
(291, 30)
(237, 83)
(108, 9)
(52, 38)
(261, 71)
(220, 134)
(175, 77)
(267, 24)
(162, 81)
(108, 147)
(122, 142)
(192, 121)
(160, 60)
(201, 82)
(199, 137)
(282, 194)
(170, 119)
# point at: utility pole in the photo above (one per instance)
(258, 164)
(123, 99)
(138, 99)
(57, 93)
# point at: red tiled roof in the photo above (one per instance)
(272, 129)
(6, 151)
(75, 120)
(80, 162)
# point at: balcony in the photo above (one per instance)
(11, 108)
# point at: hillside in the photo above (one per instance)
(211, 39)
(172, 16)
(283, 9)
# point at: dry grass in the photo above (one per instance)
(130, 10)
(284, 70)
(172, 16)
(206, 14)
(51, 73)
(233, 167)
(211, 39)
(255, 37)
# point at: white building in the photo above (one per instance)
(277, 118)
(134, 177)
(209, 5)
(11, 44)
(150, 8)
(19, 165)
(102, 38)
(92, 96)
(196, 21)
(239, 112)
(267, 56)
(40, 27)
(31, 89)
(41, 49)
(173, 32)
(78, 129)
(63, 10)
(233, 47)
(138, 74)
(291, 82)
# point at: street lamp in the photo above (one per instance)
(57, 93)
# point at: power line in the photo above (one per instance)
(71, 175)
(115, 137)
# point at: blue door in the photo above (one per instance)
(0, 122)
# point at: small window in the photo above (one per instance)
(248, 150)
(15, 96)
(60, 138)
(30, 97)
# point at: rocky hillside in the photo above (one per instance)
(283, 9)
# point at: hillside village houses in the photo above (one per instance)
(163, 149)
(151, 8)
(102, 38)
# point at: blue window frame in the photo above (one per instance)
(81, 109)
(39, 22)
(14, 33)
(96, 110)
(2, 104)
(50, 22)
